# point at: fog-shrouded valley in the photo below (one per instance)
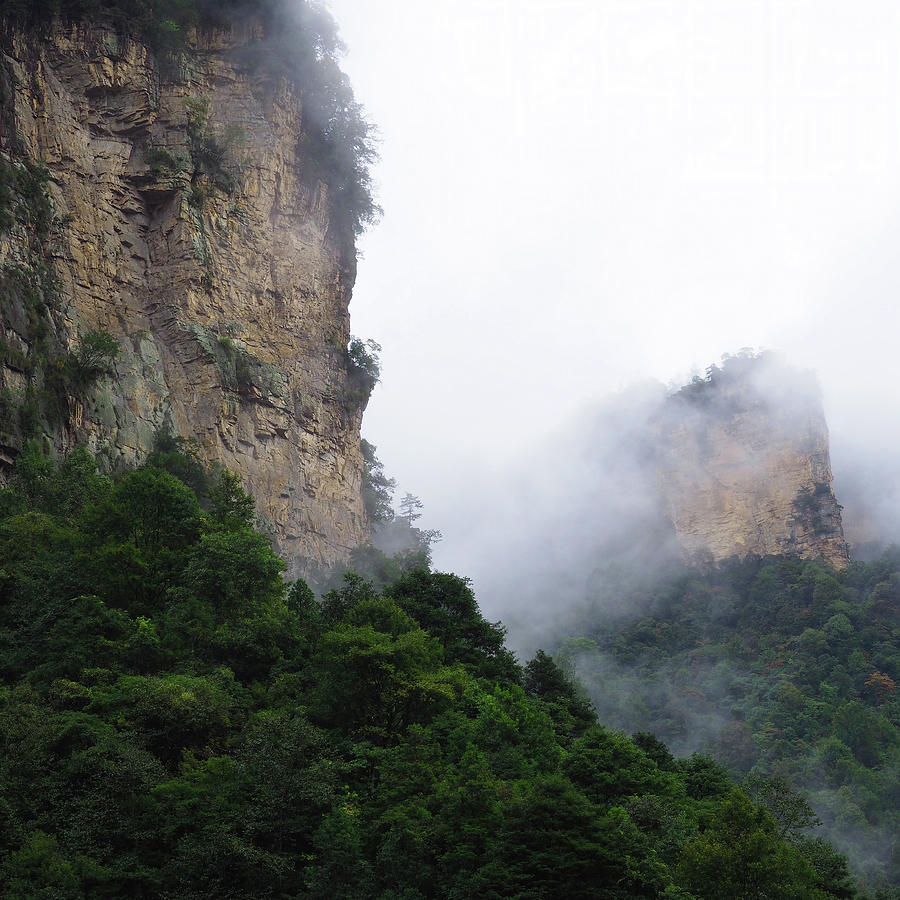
(449, 450)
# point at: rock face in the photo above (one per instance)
(189, 226)
(743, 465)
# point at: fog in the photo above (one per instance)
(581, 499)
(584, 196)
(587, 203)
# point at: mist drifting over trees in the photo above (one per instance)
(601, 699)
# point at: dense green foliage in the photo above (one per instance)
(299, 42)
(176, 722)
(363, 368)
(778, 667)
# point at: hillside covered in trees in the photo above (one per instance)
(177, 722)
(776, 667)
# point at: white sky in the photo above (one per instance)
(581, 193)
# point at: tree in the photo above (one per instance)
(832, 873)
(544, 680)
(791, 811)
(378, 672)
(377, 488)
(364, 368)
(445, 606)
(608, 767)
(231, 506)
(704, 777)
(153, 509)
(408, 506)
(554, 844)
(94, 359)
(740, 857)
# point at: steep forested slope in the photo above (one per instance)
(176, 722)
(775, 666)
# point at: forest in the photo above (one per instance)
(777, 667)
(177, 721)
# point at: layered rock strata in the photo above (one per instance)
(224, 279)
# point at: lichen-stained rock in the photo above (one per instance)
(743, 465)
(227, 288)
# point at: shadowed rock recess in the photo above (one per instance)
(188, 222)
(743, 465)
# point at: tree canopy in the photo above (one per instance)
(778, 667)
(175, 720)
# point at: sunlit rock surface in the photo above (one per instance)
(230, 307)
(743, 465)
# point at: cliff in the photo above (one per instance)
(743, 465)
(187, 221)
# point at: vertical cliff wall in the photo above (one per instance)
(743, 465)
(187, 223)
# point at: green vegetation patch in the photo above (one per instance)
(242, 373)
(363, 367)
(778, 667)
(177, 721)
(815, 505)
(24, 199)
(210, 151)
(163, 162)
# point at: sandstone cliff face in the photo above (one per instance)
(743, 466)
(229, 302)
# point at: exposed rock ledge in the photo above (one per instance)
(231, 308)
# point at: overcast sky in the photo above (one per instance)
(580, 194)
